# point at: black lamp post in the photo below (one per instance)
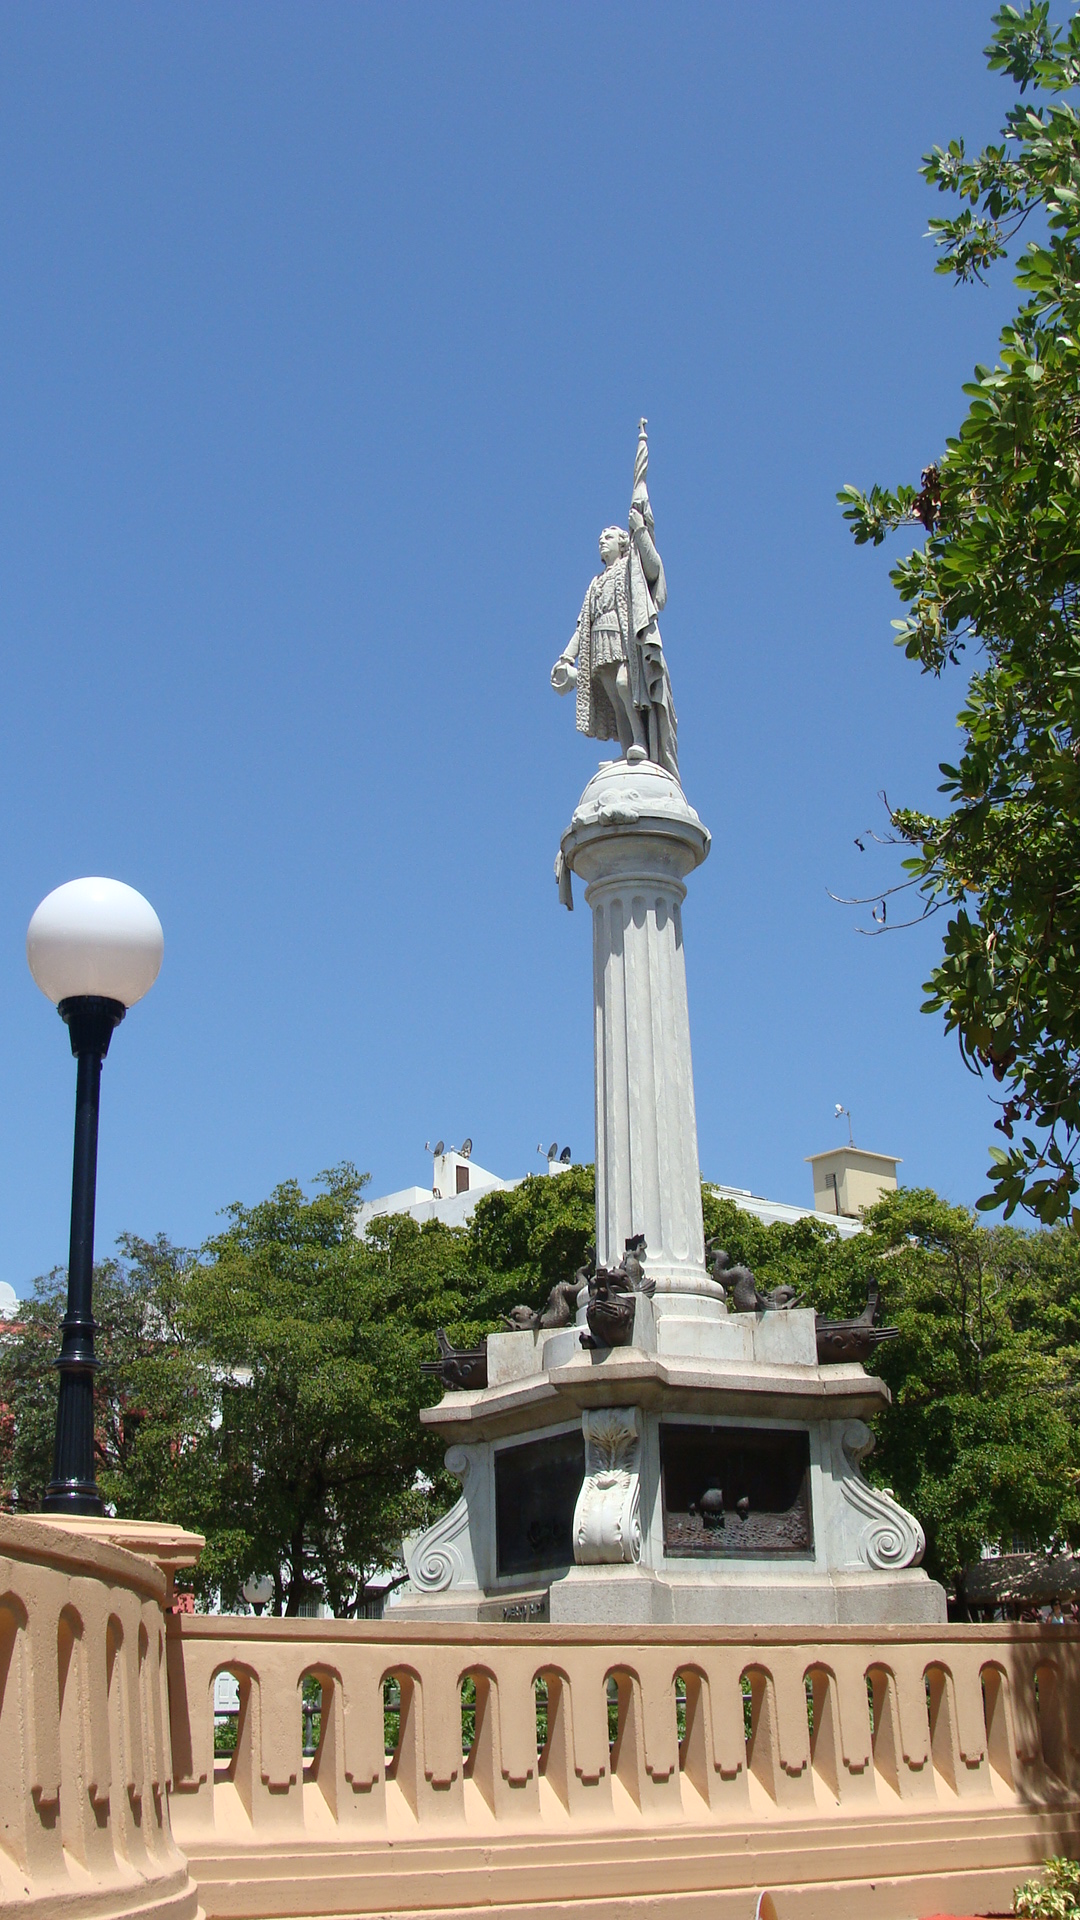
(94, 947)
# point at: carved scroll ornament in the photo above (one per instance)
(442, 1556)
(891, 1537)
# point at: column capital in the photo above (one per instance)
(633, 821)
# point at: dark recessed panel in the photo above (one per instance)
(536, 1490)
(735, 1491)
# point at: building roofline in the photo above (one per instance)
(890, 1159)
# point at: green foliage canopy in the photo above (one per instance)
(150, 1391)
(1000, 570)
(267, 1392)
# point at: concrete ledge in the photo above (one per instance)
(668, 1383)
(892, 1871)
(84, 1734)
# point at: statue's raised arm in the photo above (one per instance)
(615, 657)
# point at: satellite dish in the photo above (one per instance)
(466, 1148)
(437, 1148)
(564, 1157)
(553, 1150)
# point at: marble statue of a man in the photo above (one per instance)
(616, 656)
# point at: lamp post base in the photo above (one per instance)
(73, 1497)
(73, 1488)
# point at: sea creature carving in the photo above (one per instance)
(561, 1302)
(611, 1306)
(742, 1289)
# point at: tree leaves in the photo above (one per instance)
(1000, 573)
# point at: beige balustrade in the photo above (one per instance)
(846, 1772)
(896, 1771)
(84, 1732)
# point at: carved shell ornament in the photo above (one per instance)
(607, 1525)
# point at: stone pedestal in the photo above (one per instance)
(173, 1549)
(581, 1470)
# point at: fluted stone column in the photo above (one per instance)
(633, 840)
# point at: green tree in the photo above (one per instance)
(317, 1461)
(534, 1235)
(1000, 572)
(267, 1391)
(150, 1389)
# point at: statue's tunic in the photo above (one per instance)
(618, 622)
(608, 616)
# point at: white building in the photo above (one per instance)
(457, 1183)
(846, 1180)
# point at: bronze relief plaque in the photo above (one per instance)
(735, 1492)
(536, 1490)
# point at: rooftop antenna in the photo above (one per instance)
(436, 1149)
(843, 1113)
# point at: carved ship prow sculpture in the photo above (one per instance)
(852, 1340)
(461, 1369)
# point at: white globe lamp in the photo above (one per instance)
(258, 1591)
(94, 947)
(95, 937)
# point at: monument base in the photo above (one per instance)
(720, 1485)
(639, 1596)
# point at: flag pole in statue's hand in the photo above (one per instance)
(639, 498)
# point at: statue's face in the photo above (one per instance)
(609, 545)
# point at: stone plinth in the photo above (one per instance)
(751, 1408)
(172, 1549)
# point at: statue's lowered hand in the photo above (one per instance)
(563, 675)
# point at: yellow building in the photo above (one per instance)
(848, 1179)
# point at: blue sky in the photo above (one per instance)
(324, 333)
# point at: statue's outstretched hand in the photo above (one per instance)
(563, 675)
